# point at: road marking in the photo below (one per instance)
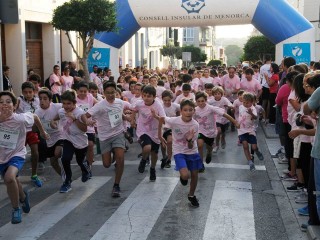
(231, 212)
(211, 165)
(50, 211)
(136, 216)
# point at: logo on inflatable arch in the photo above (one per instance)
(297, 51)
(193, 6)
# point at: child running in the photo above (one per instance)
(13, 129)
(247, 130)
(206, 116)
(184, 134)
(75, 137)
(172, 110)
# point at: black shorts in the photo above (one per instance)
(207, 140)
(249, 138)
(91, 137)
(166, 134)
(145, 140)
(50, 150)
(223, 127)
(265, 93)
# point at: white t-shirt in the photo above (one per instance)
(206, 117)
(179, 99)
(180, 130)
(46, 115)
(291, 110)
(55, 89)
(109, 117)
(247, 124)
(68, 81)
(264, 69)
(28, 106)
(85, 105)
(222, 103)
(13, 136)
(70, 130)
(146, 123)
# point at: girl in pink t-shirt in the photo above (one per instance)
(206, 116)
(86, 101)
(185, 150)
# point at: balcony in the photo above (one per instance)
(205, 42)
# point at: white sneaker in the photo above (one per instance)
(215, 149)
(301, 198)
(283, 160)
(41, 166)
(286, 171)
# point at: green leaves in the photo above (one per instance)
(257, 47)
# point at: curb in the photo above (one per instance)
(269, 131)
(313, 232)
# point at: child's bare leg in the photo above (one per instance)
(193, 182)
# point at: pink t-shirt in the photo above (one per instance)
(99, 81)
(128, 94)
(195, 84)
(70, 130)
(222, 103)
(28, 106)
(68, 81)
(55, 89)
(252, 86)
(204, 80)
(247, 124)
(135, 99)
(282, 101)
(109, 117)
(236, 105)
(45, 116)
(181, 97)
(146, 123)
(160, 90)
(216, 81)
(13, 132)
(85, 105)
(206, 117)
(180, 130)
(172, 110)
(230, 85)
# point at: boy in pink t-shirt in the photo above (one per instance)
(147, 128)
(247, 130)
(206, 116)
(185, 150)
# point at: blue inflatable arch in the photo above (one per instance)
(276, 19)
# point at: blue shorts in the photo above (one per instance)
(249, 138)
(190, 161)
(17, 162)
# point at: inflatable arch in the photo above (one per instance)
(276, 19)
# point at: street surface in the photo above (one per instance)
(234, 202)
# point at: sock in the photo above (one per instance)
(250, 162)
(34, 176)
(116, 185)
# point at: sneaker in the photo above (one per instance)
(304, 211)
(304, 227)
(194, 201)
(140, 155)
(168, 164)
(215, 149)
(36, 180)
(296, 187)
(116, 191)
(148, 161)
(252, 158)
(223, 144)
(208, 159)
(283, 160)
(183, 182)
(85, 176)
(252, 167)
(286, 171)
(301, 198)
(153, 176)
(90, 174)
(26, 202)
(66, 187)
(259, 155)
(288, 177)
(202, 170)
(163, 162)
(41, 166)
(16, 216)
(142, 165)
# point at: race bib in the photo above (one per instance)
(115, 117)
(8, 138)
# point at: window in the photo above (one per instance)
(33, 31)
(188, 34)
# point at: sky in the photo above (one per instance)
(234, 31)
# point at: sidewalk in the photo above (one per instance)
(273, 144)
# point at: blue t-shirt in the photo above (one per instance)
(314, 104)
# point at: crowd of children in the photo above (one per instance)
(182, 112)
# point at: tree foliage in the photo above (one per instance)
(257, 47)
(196, 53)
(170, 51)
(85, 17)
(215, 62)
(234, 53)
